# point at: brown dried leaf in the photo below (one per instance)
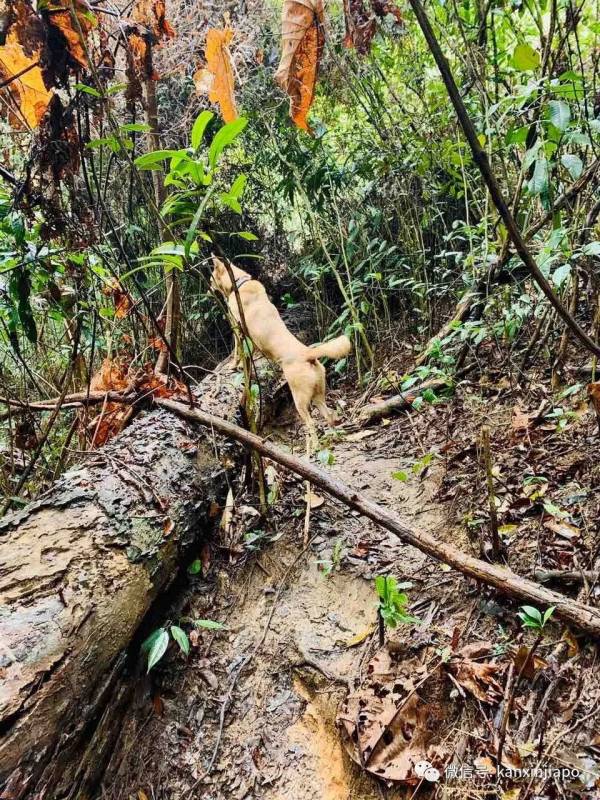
(386, 727)
(532, 665)
(216, 79)
(476, 677)
(361, 22)
(20, 56)
(74, 27)
(302, 44)
(151, 14)
(28, 91)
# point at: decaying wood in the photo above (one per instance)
(80, 569)
(501, 578)
(398, 402)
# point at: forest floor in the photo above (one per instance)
(252, 711)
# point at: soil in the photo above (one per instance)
(251, 713)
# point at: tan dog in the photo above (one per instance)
(302, 370)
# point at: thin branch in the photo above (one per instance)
(503, 579)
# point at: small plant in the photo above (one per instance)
(532, 618)
(393, 603)
(155, 646)
(418, 468)
(329, 565)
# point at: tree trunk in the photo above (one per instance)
(79, 570)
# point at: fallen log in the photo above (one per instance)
(80, 569)
(399, 402)
(501, 578)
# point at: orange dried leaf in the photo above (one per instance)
(302, 44)
(75, 27)
(27, 92)
(216, 79)
(152, 15)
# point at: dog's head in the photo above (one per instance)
(220, 280)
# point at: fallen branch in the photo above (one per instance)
(501, 578)
(566, 576)
(70, 401)
(399, 402)
(481, 159)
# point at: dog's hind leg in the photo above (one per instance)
(319, 398)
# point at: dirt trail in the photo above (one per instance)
(279, 738)
(255, 705)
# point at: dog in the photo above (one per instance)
(304, 373)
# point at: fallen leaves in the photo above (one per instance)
(216, 79)
(477, 677)
(115, 375)
(302, 45)
(24, 84)
(386, 726)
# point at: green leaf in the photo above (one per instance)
(591, 249)
(82, 87)
(134, 127)
(195, 567)
(149, 642)
(209, 624)
(525, 58)
(149, 160)
(224, 137)
(400, 476)
(380, 584)
(181, 638)
(116, 88)
(249, 237)
(199, 128)
(559, 114)
(539, 180)
(561, 274)
(573, 164)
(532, 612)
(547, 614)
(158, 647)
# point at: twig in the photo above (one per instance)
(503, 579)
(489, 477)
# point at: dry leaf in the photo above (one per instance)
(120, 297)
(227, 517)
(361, 22)
(114, 376)
(360, 637)
(316, 501)
(533, 664)
(74, 27)
(485, 764)
(386, 727)
(562, 528)
(152, 15)
(476, 677)
(520, 420)
(216, 79)
(572, 643)
(27, 95)
(302, 41)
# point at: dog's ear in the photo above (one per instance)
(219, 265)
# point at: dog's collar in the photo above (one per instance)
(241, 281)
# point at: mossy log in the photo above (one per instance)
(80, 569)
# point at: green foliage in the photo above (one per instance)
(392, 602)
(532, 618)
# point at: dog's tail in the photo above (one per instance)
(336, 348)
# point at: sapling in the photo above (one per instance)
(392, 606)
